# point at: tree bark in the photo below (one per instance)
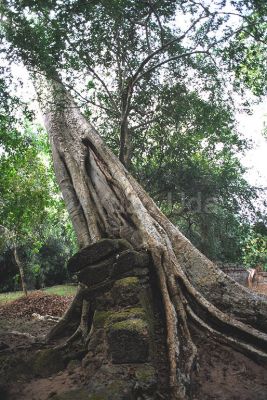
(21, 270)
(104, 200)
(125, 155)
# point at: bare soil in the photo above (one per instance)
(226, 374)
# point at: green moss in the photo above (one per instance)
(124, 244)
(101, 317)
(127, 282)
(13, 366)
(145, 374)
(126, 314)
(73, 364)
(108, 318)
(132, 325)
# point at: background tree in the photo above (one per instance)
(255, 247)
(30, 201)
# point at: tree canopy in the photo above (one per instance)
(157, 78)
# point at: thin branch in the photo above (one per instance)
(144, 123)
(158, 20)
(109, 110)
(171, 59)
(105, 87)
(87, 101)
(147, 35)
(162, 48)
(229, 13)
(86, 58)
(135, 76)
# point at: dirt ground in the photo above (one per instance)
(261, 289)
(226, 374)
(221, 373)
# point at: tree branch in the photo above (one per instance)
(158, 20)
(86, 58)
(171, 59)
(105, 87)
(162, 48)
(144, 124)
(135, 76)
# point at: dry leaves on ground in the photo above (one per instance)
(37, 302)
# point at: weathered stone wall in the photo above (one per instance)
(235, 271)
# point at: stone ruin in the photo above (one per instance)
(126, 354)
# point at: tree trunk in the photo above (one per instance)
(104, 200)
(21, 271)
(125, 154)
(125, 144)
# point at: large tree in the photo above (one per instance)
(104, 200)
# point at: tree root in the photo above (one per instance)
(71, 316)
(180, 299)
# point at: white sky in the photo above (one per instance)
(251, 126)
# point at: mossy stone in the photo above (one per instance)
(13, 366)
(135, 324)
(47, 362)
(126, 315)
(95, 253)
(128, 341)
(103, 319)
(73, 364)
(129, 282)
(3, 392)
(128, 260)
(146, 376)
(125, 292)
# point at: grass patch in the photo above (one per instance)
(61, 290)
(9, 296)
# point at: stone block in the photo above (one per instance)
(128, 261)
(97, 273)
(125, 292)
(128, 341)
(95, 253)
